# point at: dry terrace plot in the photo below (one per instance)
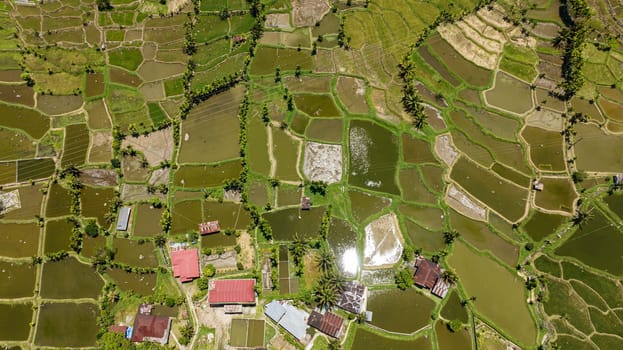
(323, 162)
(247, 333)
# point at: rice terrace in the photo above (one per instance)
(311, 174)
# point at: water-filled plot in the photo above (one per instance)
(16, 327)
(210, 132)
(289, 222)
(500, 195)
(481, 236)
(510, 94)
(57, 235)
(70, 279)
(147, 220)
(499, 292)
(229, 214)
(17, 280)
(198, 176)
(373, 157)
(142, 284)
(557, 194)
(449, 340)
(95, 202)
(67, 325)
(597, 242)
(19, 240)
(187, 216)
(546, 148)
(595, 151)
(541, 224)
(392, 308)
(365, 339)
(342, 239)
(135, 253)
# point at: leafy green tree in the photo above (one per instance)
(455, 325)
(209, 270)
(115, 341)
(449, 277)
(403, 279)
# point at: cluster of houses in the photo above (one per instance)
(295, 321)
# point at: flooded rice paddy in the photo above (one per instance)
(67, 325)
(490, 189)
(17, 280)
(142, 284)
(510, 94)
(367, 339)
(387, 305)
(541, 224)
(342, 239)
(147, 220)
(373, 157)
(19, 240)
(287, 223)
(499, 292)
(597, 234)
(16, 327)
(60, 280)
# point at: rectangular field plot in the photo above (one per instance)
(246, 333)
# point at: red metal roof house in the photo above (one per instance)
(328, 323)
(225, 292)
(151, 328)
(209, 227)
(426, 274)
(186, 264)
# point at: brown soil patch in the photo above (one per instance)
(156, 146)
(494, 17)
(278, 20)
(99, 177)
(308, 12)
(101, 147)
(138, 192)
(247, 251)
(160, 176)
(133, 169)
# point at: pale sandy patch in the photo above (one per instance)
(278, 20)
(465, 204)
(383, 244)
(467, 48)
(445, 150)
(546, 119)
(323, 162)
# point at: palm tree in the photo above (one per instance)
(298, 248)
(325, 294)
(335, 345)
(449, 277)
(581, 217)
(325, 260)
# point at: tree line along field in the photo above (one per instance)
(235, 111)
